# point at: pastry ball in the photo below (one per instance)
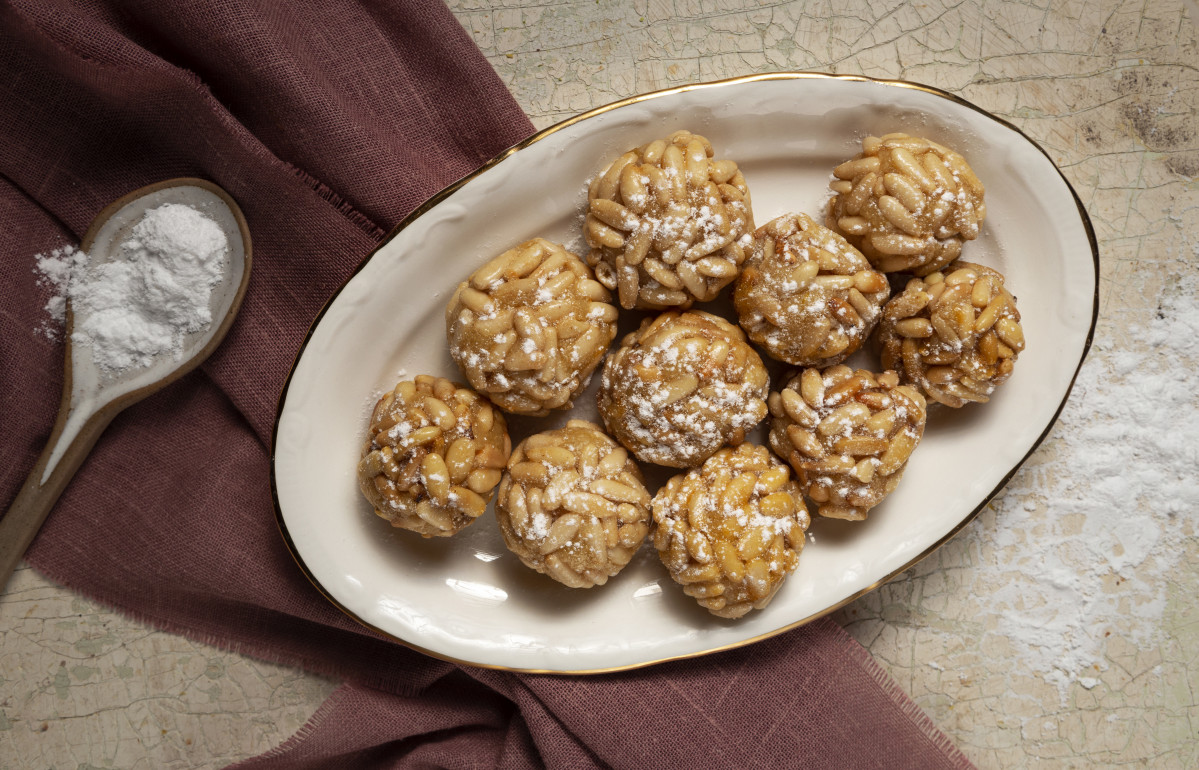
(954, 336)
(529, 327)
(907, 203)
(806, 295)
(848, 435)
(433, 456)
(572, 505)
(682, 386)
(731, 530)
(668, 224)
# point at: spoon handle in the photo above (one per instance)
(35, 500)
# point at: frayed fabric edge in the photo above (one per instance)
(908, 707)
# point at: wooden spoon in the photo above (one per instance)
(92, 396)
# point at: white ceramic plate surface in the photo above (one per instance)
(466, 598)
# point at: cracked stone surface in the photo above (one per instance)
(1059, 629)
(84, 687)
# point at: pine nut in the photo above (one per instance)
(851, 169)
(1010, 332)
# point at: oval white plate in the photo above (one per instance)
(466, 598)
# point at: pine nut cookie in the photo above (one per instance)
(572, 505)
(433, 455)
(847, 434)
(668, 224)
(731, 530)
(954, 335)
(907, 203)
(529, 327)
(681, 387)
(806, 295)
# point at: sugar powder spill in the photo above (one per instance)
(157, 288)
(1104, 519)
(1126, 480)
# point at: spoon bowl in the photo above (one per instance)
(92, 395)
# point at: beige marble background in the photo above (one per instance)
(1059, 629)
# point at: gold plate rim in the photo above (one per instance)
(542, 134)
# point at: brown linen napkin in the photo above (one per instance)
(327, 121)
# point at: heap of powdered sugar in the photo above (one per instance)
(156, 289)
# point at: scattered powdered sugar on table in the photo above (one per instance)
(156, 289)
(1105, 517)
